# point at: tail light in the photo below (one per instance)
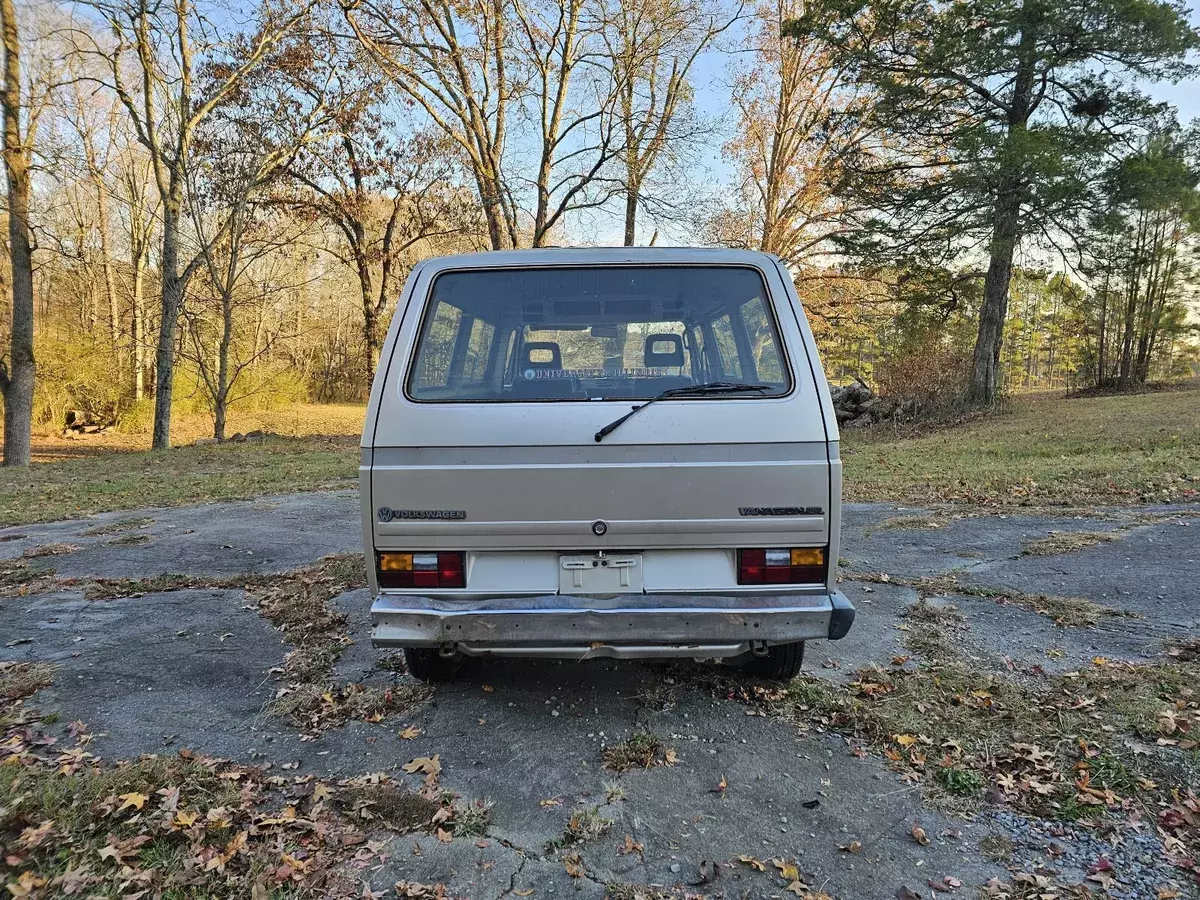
(421, 570)
(797, 565)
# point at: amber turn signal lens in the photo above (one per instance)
(808, 556)
(395, 562)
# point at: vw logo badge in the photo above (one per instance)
(385, 514)
(599, 529)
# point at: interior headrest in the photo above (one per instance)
(664, 350)
(542, 355)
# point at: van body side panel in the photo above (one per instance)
(364, 491)
(835, 517)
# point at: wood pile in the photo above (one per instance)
(856, 405)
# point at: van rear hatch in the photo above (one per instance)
(486, 443)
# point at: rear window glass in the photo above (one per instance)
(602, 332)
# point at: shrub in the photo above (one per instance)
(926, 370)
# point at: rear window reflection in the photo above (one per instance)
(602, 332)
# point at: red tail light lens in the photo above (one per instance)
(796, 565)
(432, 569)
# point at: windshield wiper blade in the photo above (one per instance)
(691, 390)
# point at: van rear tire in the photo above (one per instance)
(782, 662)
(429, 666)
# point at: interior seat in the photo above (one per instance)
(663, 351)
(542, 356)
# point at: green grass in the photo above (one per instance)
(1040, 451)
(107, 481)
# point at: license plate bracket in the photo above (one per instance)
(600, 573)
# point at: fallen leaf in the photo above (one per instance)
(852, 847)
(133, 799)
(788, 870)
(721, 786)
(185, 818)
(444, 836)
(630, 846)
(410, 732)
(35, 835)
(524, 893)
(488, 688)
(430, 765)
(905, 893)
(919, 835)
(752, 862)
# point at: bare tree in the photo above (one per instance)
(476, 68)
(453, 60)
(140, 210)
(383, 193)
(652, 47)
(152, 68)
(244, 243)
(573, 101)
(788, 148)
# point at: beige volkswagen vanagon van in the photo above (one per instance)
(602, 453)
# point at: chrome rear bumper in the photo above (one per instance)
(537, 624)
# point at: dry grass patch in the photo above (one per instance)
(642, 751)
(117, 588)
(934, 627)
(19, 578)
(1060, 542)
(19, 680)
(181, 827)
(388, 804)
(586, 824)
(102, 481)
(117, 526)
(300, 604)
(54, 549)
(128, 540)
(1065, 611)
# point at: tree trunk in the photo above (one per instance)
(1006, 229)
(17, 378)
(221, 395)
(110, 278)
(982, 390)
(139, 323)
(632, 190)
(172, 302)
(370, 318)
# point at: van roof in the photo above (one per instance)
(606, 255)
